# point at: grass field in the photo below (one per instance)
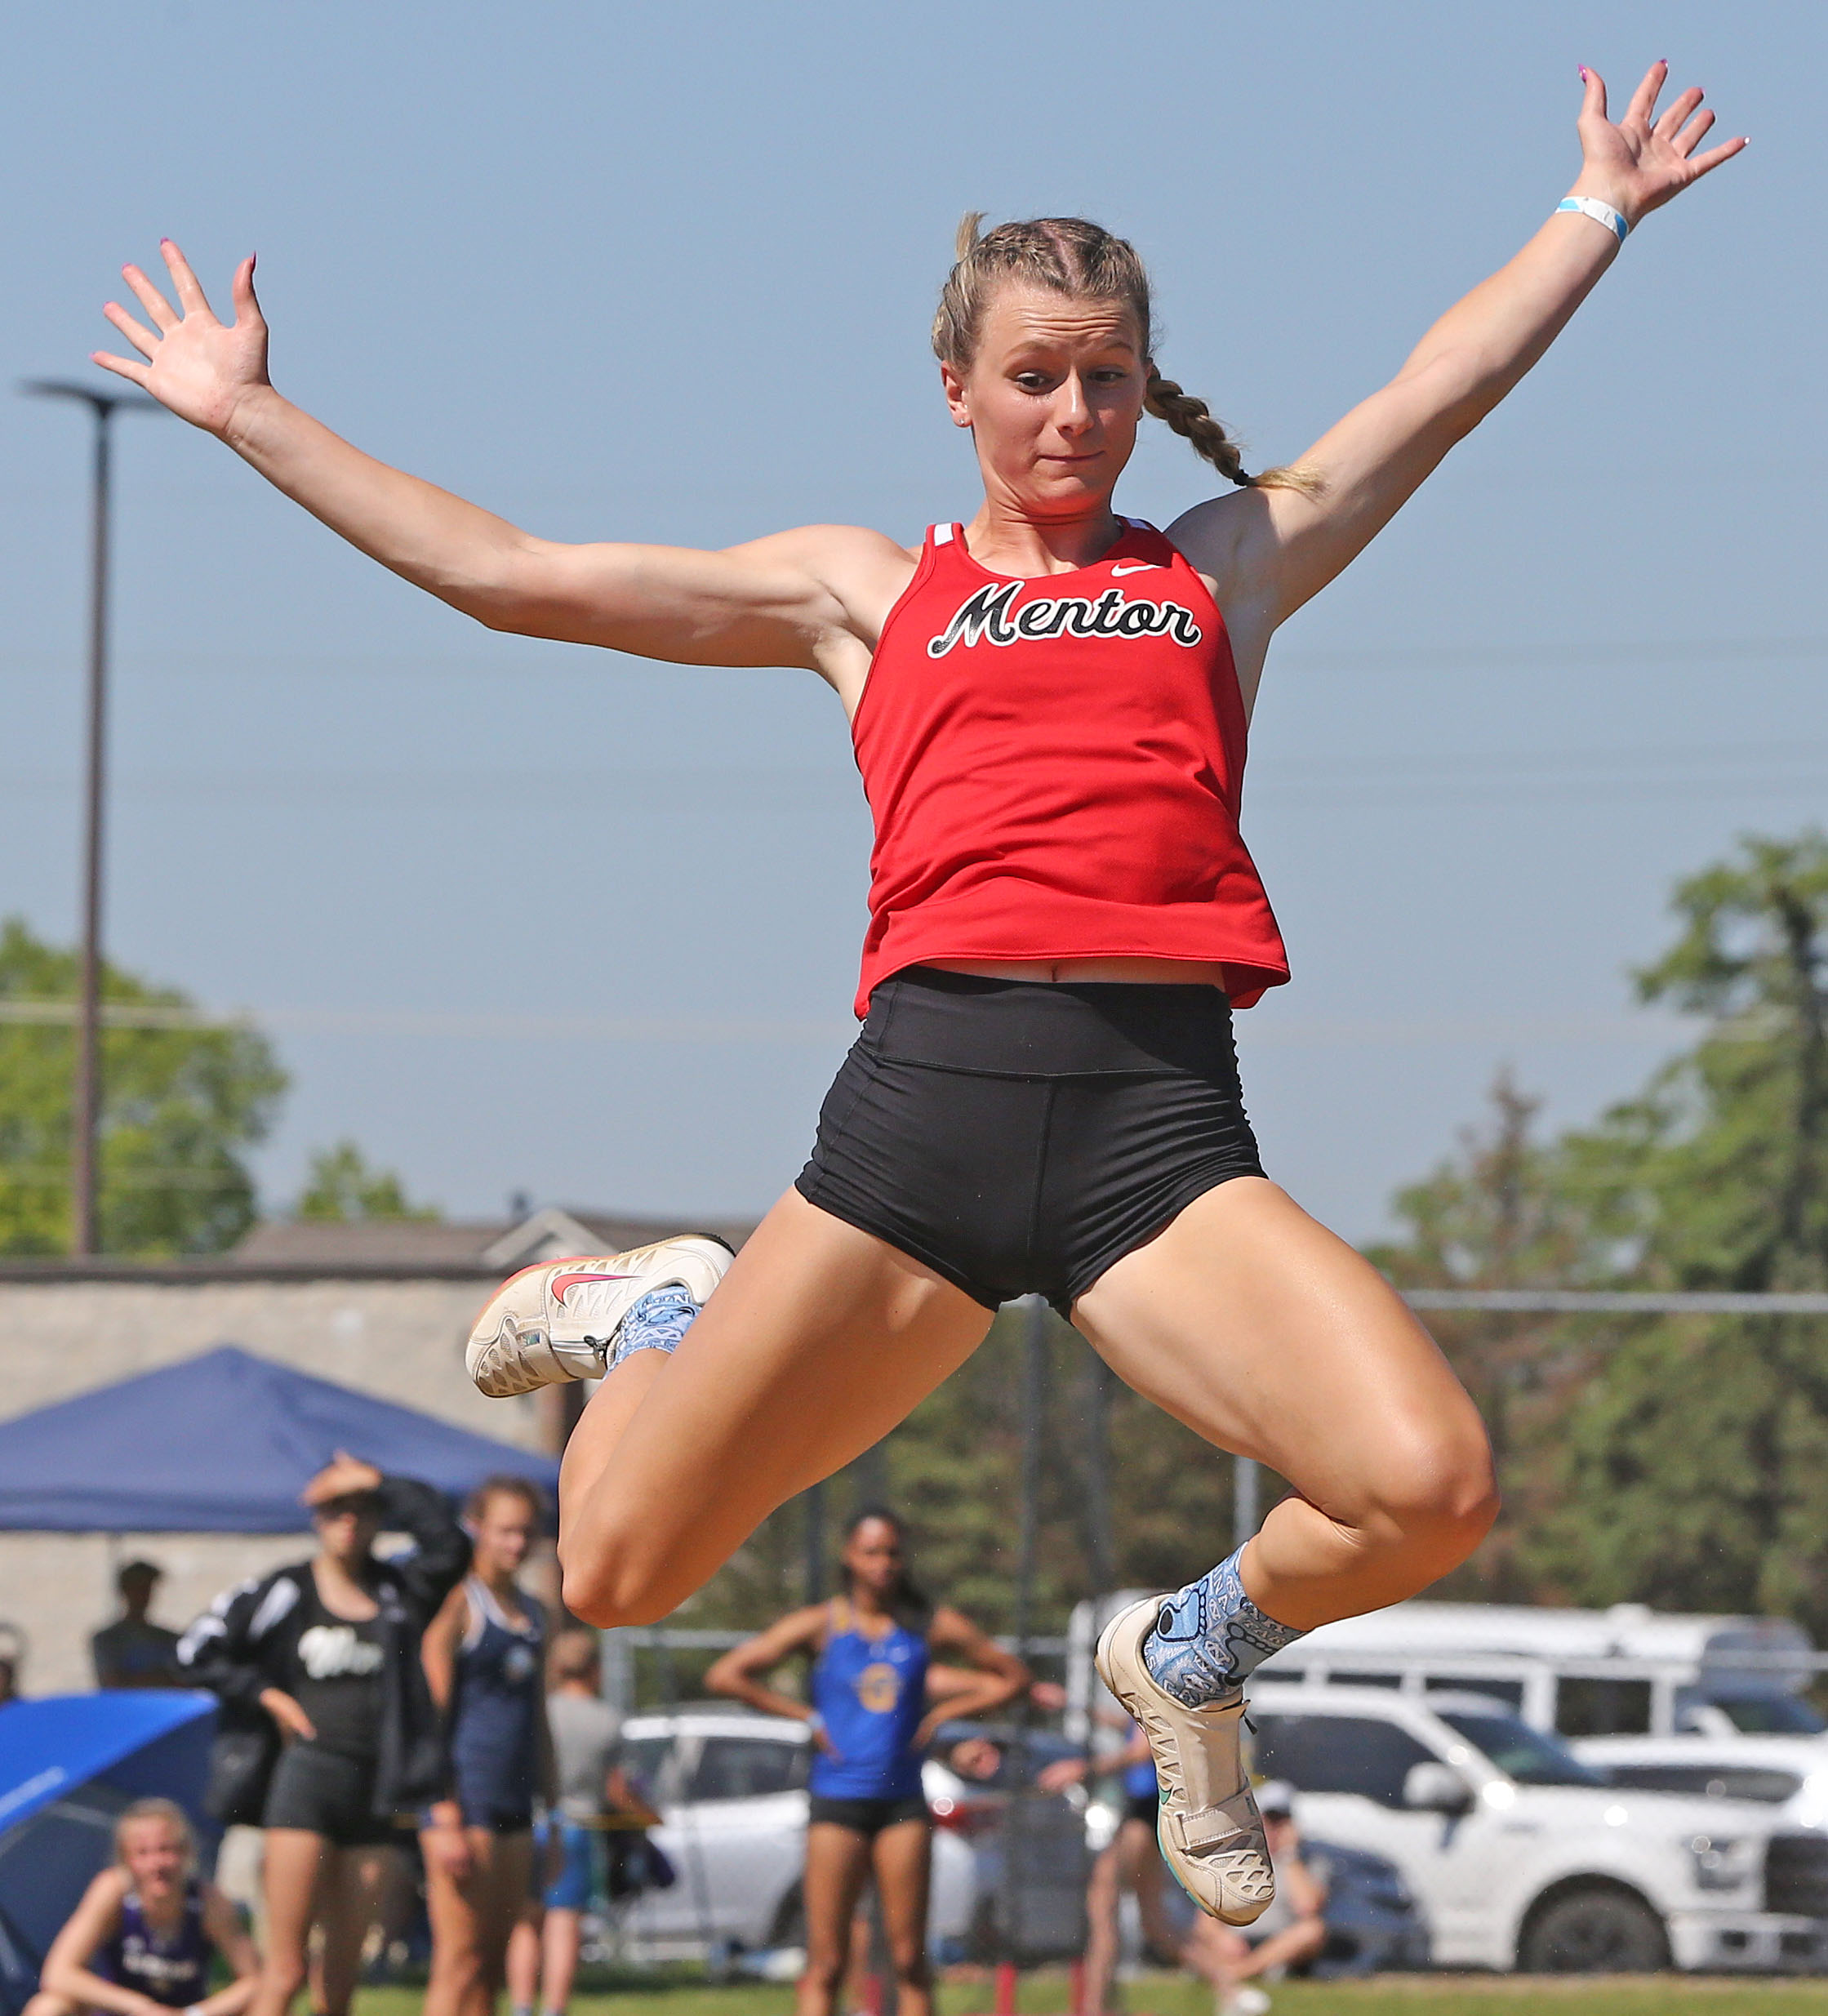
(1166, 1995)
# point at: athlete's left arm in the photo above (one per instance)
(222, 1923)
(1270, 549)
(440, 1558)
(995, 1677)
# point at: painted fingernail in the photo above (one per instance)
(1583, 73)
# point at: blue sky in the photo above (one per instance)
(525, 917)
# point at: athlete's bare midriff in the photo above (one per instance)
(1143, 973)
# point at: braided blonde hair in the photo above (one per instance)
(1071, 255)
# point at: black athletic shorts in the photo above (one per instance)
(866, 1816)
(1018, 1137)
(1144, 1806)
(325, 1794)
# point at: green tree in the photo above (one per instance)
(1695, 1470)
(182, 1104)
(1679, 1461)
(344, 1189)
(1502, 1213)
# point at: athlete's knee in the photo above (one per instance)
(908, 1957)
(284, 1975)
(610, 1578)
(825, 1967)
(1306, 1939)
(1438, 1500)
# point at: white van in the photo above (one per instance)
(1520, 1856)
(1627, 1670)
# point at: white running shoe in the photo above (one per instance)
(559, 1320)
(1210, 1831)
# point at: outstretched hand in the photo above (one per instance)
(198, 366)
(1638, 164)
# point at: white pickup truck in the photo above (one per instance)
(1521, 1857)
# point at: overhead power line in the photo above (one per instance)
(1604, 1302)
(1480, 776)
(536, 658)
(1267, 1032)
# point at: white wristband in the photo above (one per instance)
(1601, 213)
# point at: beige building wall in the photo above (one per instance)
(400, 1340)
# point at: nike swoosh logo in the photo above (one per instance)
(1136, 567)
(562, 1282)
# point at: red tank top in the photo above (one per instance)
(1054, 767)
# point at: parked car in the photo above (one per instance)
(1520, 1856)
(730, 1787)
(1790, 1773)
(1372, 1923)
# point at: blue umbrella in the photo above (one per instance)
(68, 1764)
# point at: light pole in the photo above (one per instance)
(88, 1014)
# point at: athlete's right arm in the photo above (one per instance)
(437, 1649)
(66, 1970)
(803, 598)
(739, 1673)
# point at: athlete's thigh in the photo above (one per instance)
(819, 1340)
(450, 1901)
(354, 1883)
(903, 1858)
(1134, 1846)
(290, 1881)
(509, 1880)
(1255, 1325)
(837, 1866)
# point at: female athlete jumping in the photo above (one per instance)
(1048, 706)
(868, 1705)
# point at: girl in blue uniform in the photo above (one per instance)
(485, 1662)
(149, 1930)
(867, 1704)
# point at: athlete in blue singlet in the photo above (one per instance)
(496, 1747)
(149, 1929)
(485, 1659)
(868, 1704)
(869, 1690)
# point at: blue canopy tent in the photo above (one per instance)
(222, 1442)
(68, 1764)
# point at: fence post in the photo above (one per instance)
(1246, 1497)
(814, 1569)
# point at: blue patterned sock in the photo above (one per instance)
(1209, 1637)
(656, 1323)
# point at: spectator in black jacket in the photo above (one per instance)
(327, 1653)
